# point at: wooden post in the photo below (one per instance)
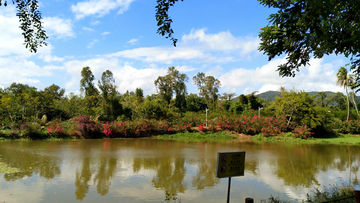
(249, 200)
(357, 196)
(228, 196)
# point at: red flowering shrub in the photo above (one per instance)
(55, 130)
(85, 127)
(252, 125)
(302, 132)
(351, 126)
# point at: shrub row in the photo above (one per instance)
(85, 127)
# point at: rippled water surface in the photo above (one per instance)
(151, 170)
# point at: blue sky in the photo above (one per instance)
(219, 39)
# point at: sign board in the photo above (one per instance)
(230, 164)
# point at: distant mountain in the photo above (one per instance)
(270, 95)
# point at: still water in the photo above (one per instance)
(151, 170)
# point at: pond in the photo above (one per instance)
(153, 170)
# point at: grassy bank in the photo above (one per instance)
(346, 139)
(197, 136)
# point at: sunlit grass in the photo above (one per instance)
(197, 136)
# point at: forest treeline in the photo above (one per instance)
(21, 103)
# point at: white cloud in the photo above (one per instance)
(318, 76)
(160, 54)
(88, 29)
(133, 41)
(45, 54)
(222, 41)
(105, 33)
(126, 76)
(20, 70)
(11, 39)
(61, 28)
(95, 22)
(185, 68)
(91, 44)
(99, 7)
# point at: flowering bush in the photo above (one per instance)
(252, 125)
(302, 132)
(351, 126)
(30, 129)
(85, 127)
(55, 130)
(142, 128)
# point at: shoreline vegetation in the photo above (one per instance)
(253, 128)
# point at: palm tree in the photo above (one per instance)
(345, 80)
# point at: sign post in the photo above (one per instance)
(230, 164)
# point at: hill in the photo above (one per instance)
(270, 95)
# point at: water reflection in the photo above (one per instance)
(155, 170)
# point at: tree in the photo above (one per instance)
(195, 103)
(321, 99)
(344, 80)
(228, 96)
(139, 94)
(298, 107)
(111, 100)
(208, 87)
(31, 25)
(86, 82)
(91, 92)
(173, 82)
(302, 29)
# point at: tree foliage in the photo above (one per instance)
(208, 88)
(302, 29)
(173, 82)
(30, 23)
(298, 107)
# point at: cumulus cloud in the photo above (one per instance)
(105, 33)
(99, 7)
(58, 27)
(318, 76)
(197, 46)
(20, 70)
(222, 41)
(160, 54)
(11, 39)
(126, 76)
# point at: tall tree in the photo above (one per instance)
(344, 80)
(321, 99)
(173, 82)
(208, 87)
(91, 92)
(111, 100)
(87, 82)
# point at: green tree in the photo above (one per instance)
(173, 82)
(227, 96)
(91, 92)
(111, 100)
(321, 100)
(301, 29)
(208, 87)
(298, 107)
(139, 94)
(195, 103)
(344, 80)
(30, 23)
